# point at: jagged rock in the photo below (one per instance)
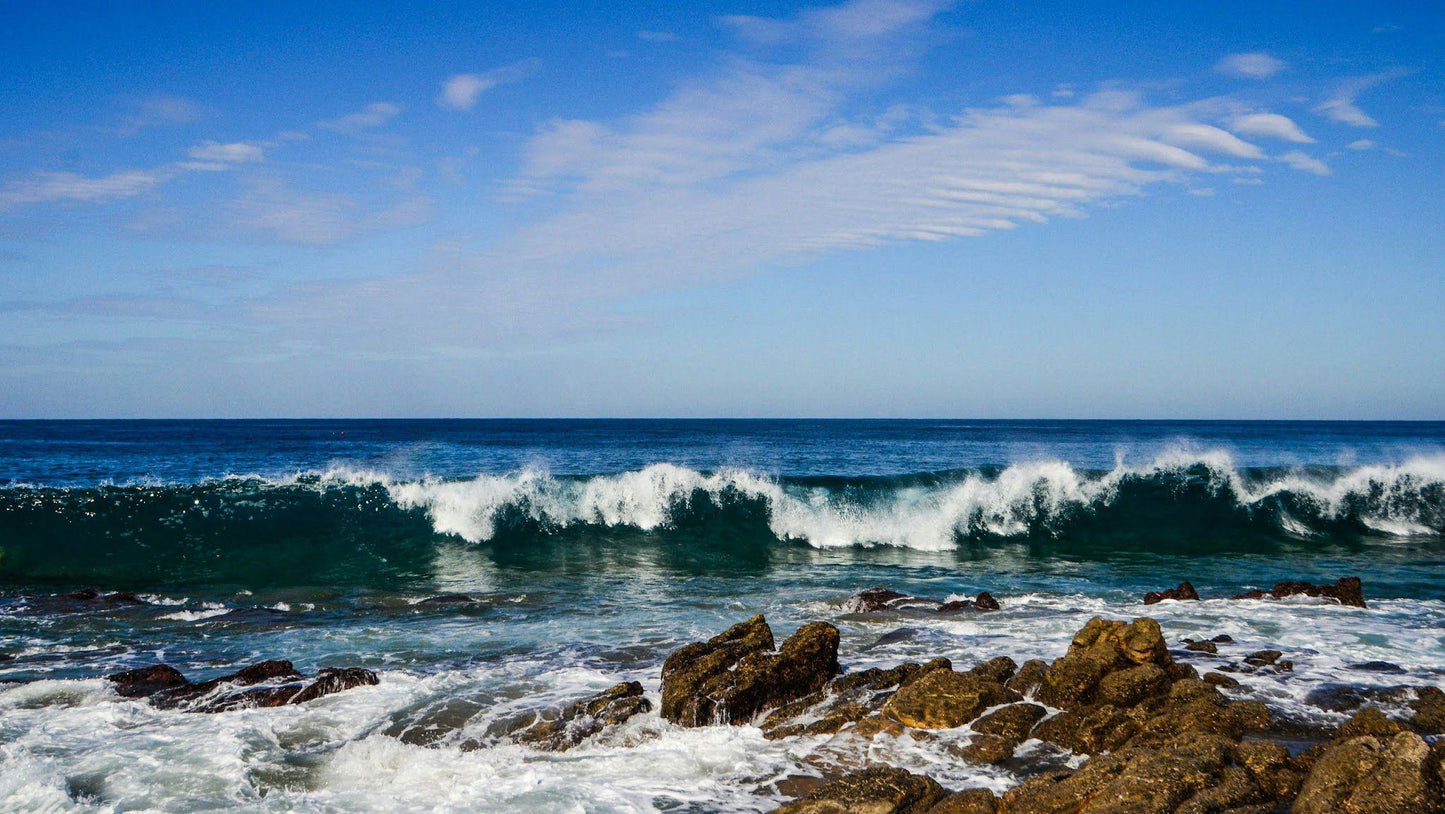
(1261, 658)
(968, 801)
(267, 684)
(878, 600)
(983, 602)
(1347, 591)
(447, 599)
(1125, 688)
(986, 749)
(1101, 647)
(846, 700)
(586, 718)
(1271, 766)
(999, 669)
(1369, 721)
(1220, 680)
(146, 681)
(943, 699)
(1014, 721)
(1190, 707)
(1348, 698)
(1029, 677)
(1202, 647)
(92, 596)
(732, 677)
(1369, 775)
(877, 790)
(1429, 706)
(1184, 593)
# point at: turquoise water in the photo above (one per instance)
(596, 548)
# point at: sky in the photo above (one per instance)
(891, 208)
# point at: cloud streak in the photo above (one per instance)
(461, 91)
(1252, 65)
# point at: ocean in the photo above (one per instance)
(594, 548)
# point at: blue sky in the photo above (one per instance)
(874, 208)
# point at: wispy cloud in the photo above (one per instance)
(1305, 162)
(375, 114)
(157, 111)
(277, 210)
(460, 91)
(49, 187)
(1251, 65)
(1361, 144)
(1269, 125)
(215, 155)
(1340, 105)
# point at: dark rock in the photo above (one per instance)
(447, 599)
(983, 602)
(1125, 688)
(1260, 658)
(736, 675)
(1014, 721)
(1429, 707)
(92, 596)
(586, 718)
(1371, 775)
(1348, 698)
(1029, 677)
(1202, 647)
(1369, 721)
(968, 801)
(82, 595)
(878, 600)
(1378, 667)
(1184, 593)
(999, 669)
(902, 634)
(943, 699)
(1223, 638)
(267, 684)
(146, 681)
(1220, 680)
(847, 700)
(877, 790)
(985, 749)
(1347, 591)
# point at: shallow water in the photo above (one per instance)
(595, 549)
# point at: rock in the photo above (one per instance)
(1369, 775)
(877, 790)
(91, 595)
(1125, 688)
(1100, 648)
(1261, 658)
(985, 749)
(999, 669)
(847, 700)
(943, 699)
(968, 801)
(1202, 647)
(1429, 707)
(586, 718)
(146, 681)
(1029, 677)
(1271, 767)
(1369, 721)
(736, 675)
(1347, 698)
(1223, 638)
(983, 602)
(447, 599)
(1347, 591)
(1378, 667)
(878, 600)
(267, 684)
(1220, 680)
(1014, 721)
(1184, 593)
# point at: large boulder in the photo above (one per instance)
(583, 719)
(876, 790)
(1369, 775)
(1346, 591)
(1100, 648)
(146, 681)
(732, 677)
(847, 700)
(944, 699)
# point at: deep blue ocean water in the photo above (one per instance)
(594, 548)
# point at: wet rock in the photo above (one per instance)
(1125, 688)
(1378, 667)
(267, 684)
(943, 699)
(1223, 638)
(91, 596)
(1271, 766)
(1101, 647)
(879, 600)
(1029, 677)
(734, 676)
(1367, 775)
(1429, 707)
(1369, 721)
(1202, 647)
(1261, 658)
(1014, 721)
(999, 669)
(848, 699)
(585, 718)
(446, 599)
(1347, 591)
(877, 790)
(983, 602)
(1348, 698)
(1220, 680)
(985, 749)
(968, 801)
(146, 681)
(1184, 593)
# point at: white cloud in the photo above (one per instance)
(1341, 107)
(158, 111)
(48, 187)
(1270, 125)
(1361, 144)
(373, 115)
(1305, 163)
(236, 152)
(1208, 138)
(1252, 65)
(460, 92)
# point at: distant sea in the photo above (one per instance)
(596, 547)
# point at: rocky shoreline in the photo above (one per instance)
(1117, 723)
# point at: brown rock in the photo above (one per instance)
(1013, 722)
(1184, 593)
(983, 602)
(999, 669)
(1202, 647)
(1369, 775)
(943, 699)
(877, 790)
(1347, 591)
(734, 676)
(1220, 680)
(1102, 647)
(1369, 721)
(1429, 706)
(1139, 781)
(1125, 688)
(988, 749)
(968, 801)
(586, 718)
(146, 681)
(267, 684)
(1029, 677)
